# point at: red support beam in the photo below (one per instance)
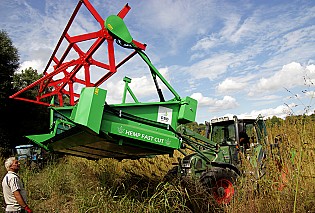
(124, 11)
(63, 34)
(51, 84)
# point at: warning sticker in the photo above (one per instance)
(165, 115)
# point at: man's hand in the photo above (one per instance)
(26, 208)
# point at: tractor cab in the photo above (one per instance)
(236, 130)
(240, 134)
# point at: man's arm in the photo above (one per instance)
(19, 198)
(15, 185)
(21, 201)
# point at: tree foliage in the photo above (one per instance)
(274, 121)
(18, 118)
(198, 128)
(27, 118)
(25, 78)
(9, 62)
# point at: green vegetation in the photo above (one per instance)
(71, 184)
(18, 118)
(9, 62)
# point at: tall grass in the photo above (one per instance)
(289, 184)
(71, 184)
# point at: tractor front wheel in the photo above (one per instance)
(220, 183)
(171, 174)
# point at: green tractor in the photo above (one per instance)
(217, 158)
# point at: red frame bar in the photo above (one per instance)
(49, 87)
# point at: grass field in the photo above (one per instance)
(71, 184)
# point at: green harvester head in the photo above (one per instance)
(94, 129)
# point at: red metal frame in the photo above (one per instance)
(48, 87)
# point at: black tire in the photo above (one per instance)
(171, 174)
(220, 182)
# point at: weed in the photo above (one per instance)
(72, 184)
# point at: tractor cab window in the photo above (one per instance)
(223, 134)
(251, 132)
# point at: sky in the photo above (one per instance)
(234, 57)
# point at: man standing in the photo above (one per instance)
(13, 189)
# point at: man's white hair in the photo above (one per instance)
(8, 162)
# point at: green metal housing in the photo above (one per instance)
(94, 129)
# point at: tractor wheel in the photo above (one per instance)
(171, 174)
(220, 182)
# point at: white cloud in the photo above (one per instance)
(280, 111)
(310, 94)
(231, 23)
(114, 91)
(143, 88)
(235, 28)
(230, 86)
(202, 101)
(175, 20)
(212, 67)
(35, 64)
(206, 43)
(227, 102)
(296, 38)
(311, 68)
(243, 30)
(197, 56)
(215, 105)
(289, 76)
(266, 98)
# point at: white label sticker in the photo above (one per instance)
(165, 115)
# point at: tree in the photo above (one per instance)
(18, 118)
(25, 78)
(9, 62)
(275, 121)
(27, 118)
